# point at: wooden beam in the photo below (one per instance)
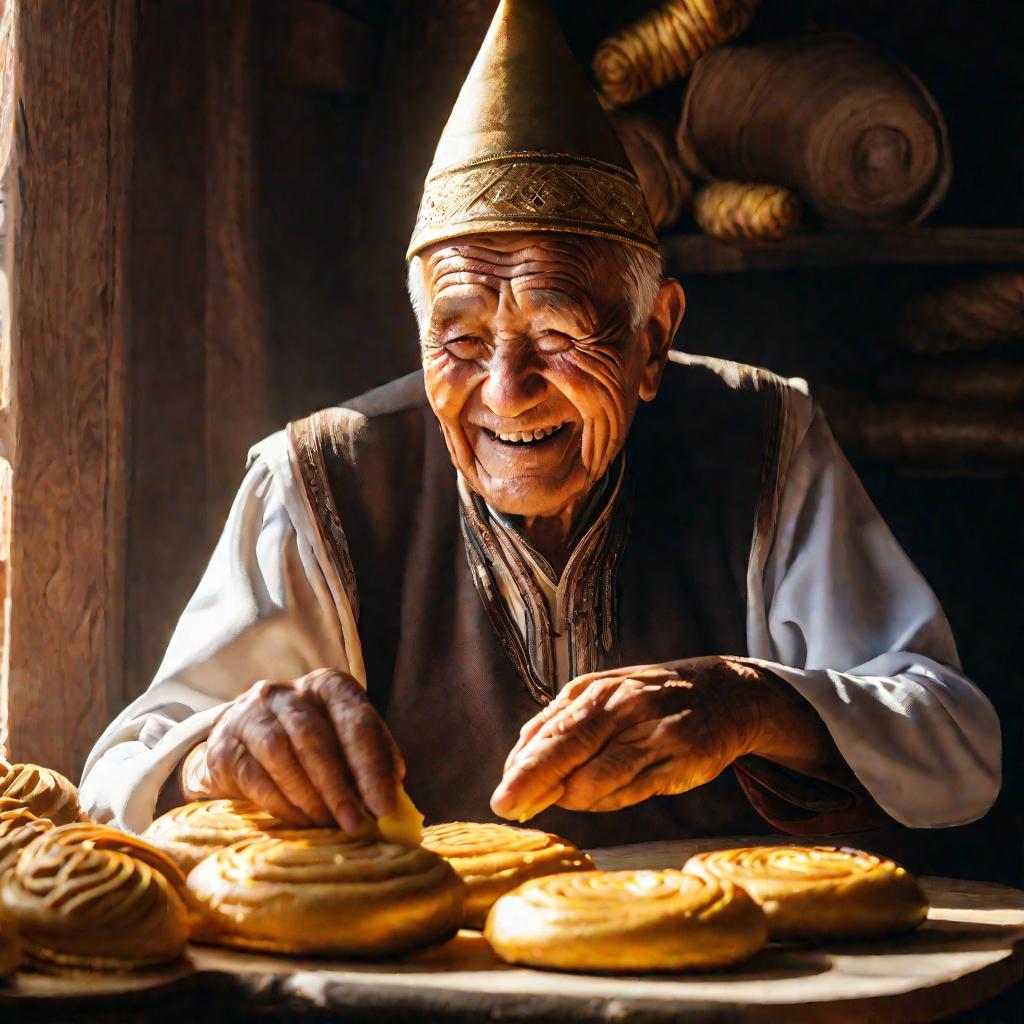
(235, 323)
(167, 513)
(199, 378)
(69, 358)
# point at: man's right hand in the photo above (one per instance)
(311, 751)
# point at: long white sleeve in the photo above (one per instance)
(269, 606)
(838, 610)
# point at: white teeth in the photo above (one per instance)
(520, 436)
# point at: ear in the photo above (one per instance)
(657, 335)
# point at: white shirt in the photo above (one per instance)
(834, 607)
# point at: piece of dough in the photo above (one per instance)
(493, 859)
(18, 827)
(194, 831)
(320, 891)
(404, 824)
(90, 897)
(626, 921)
(820, 892)
(47, 794)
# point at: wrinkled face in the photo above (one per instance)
(531, 365)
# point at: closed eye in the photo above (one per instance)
(553, 341)
(468, 346)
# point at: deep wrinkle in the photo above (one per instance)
(531, 333)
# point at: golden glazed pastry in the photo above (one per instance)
(88, 896)
(320, 891)
(192, 832)
(820, 892)
(493, 859)
(45, 793)
(18, 827)
(626, 921)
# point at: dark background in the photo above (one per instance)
(337, 184)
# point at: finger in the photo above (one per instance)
(235, 773)
(267, 741)
(566, 696)
(655, 780)
(613, 687)
(328, 684)
(541, 803)
(370, 752)
(564, 743)
(316, 746)
(613, 768)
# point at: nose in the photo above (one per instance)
(514, 384)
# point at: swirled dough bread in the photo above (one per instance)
(193, 831)
(820, 892)
(45, 793)
(320, 891)
(493, 859)
(88, 896)
(190, 833)
(626, 921)
(18, 827)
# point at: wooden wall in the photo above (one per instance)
(139, 360)
(68, 226)
(200, 375)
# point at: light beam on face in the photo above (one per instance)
(530, 365)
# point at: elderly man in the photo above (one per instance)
(629, 593)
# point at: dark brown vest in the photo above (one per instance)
(702, 463)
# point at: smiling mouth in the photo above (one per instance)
(526, 438)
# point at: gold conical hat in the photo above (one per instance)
(528, 147)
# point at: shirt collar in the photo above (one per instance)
(594, 512)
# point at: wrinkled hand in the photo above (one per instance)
(611, 739)
(311, 751)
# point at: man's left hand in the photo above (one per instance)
(614, 738)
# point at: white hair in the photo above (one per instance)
(641, 269)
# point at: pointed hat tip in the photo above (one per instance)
(530, 142)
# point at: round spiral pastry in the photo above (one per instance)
(18, 827)
(737, 210)
(47, 794)
(88, 896)
(190, 833)
(320, 891)
(626, 921)
(820, 892)
(493, 859)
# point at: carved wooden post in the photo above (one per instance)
(73, 74)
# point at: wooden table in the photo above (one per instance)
(970, 949)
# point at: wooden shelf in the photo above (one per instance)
(701, 254)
